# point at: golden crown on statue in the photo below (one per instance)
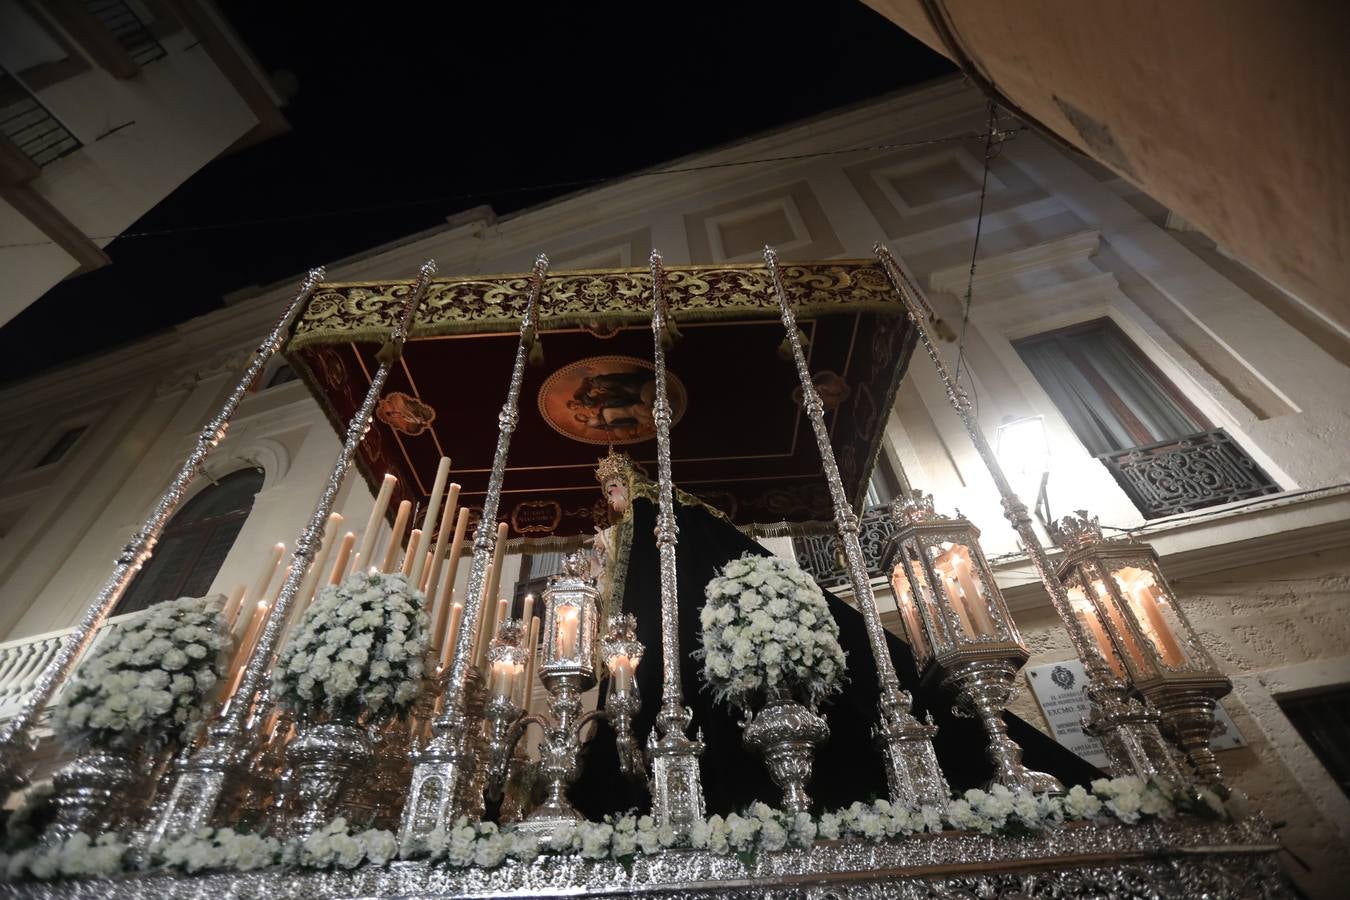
(616, 465)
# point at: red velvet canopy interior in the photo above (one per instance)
(740, 441)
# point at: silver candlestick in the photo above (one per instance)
(447, 772)
(621, 652)
(15, 740)
(201, 788)
(912, 770)
(1127, 728)
(676, 786)
(568, 671)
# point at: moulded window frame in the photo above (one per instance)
(1141, 358)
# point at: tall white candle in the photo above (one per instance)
(487, 611)
(414, 553)
(376, 517)
(343, 557)
(396, 536)
(269, 571)
(318, 570)
(451, 635)
(452, 571)
(433, 513)
(531, 667)
(230, 611)
(442, 539)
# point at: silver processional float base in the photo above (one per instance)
(1172, 859)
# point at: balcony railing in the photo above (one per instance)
(27, 124)
(1194, 472)
(22, 661)
(121, 20)
(823, 558)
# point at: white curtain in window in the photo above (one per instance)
(1110, 399)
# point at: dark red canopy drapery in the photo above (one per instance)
(741, 440)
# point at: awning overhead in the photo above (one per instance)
(740, 439)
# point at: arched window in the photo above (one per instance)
(194, 544)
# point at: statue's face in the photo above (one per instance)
(616, 494)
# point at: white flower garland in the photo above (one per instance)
(148, 678)
(358, 647)
(759, 829)
(766, 625)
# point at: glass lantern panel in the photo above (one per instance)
(1139, 662)
(1092, 626)
(567, 637)
(953, 566)
(1156, 615)
(909, 612)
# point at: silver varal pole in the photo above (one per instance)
(912, 770)
(1127, 729)
(676, 788)
(203, 781)
(448, 773)
(15, 740)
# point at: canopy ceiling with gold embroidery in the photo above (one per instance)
(740, 440)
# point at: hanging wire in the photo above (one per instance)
(991, 130)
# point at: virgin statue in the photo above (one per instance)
(848, 766)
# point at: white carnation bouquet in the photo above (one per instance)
(357, 648)
(767, 627)
(148, 679)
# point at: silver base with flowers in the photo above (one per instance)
(768, 632)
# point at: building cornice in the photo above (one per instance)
(1245, 534)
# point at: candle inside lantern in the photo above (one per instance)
(1146, 603)
(503, 681)
(953, 568)
(621, 669)
(1121, 630)
(1092, 625)
(909, 608)
(569, 620)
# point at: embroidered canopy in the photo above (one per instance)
(740, 440)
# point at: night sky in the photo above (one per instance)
(406, 113)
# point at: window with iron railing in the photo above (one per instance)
(1163, 452)
(30, 126)
(128, 27)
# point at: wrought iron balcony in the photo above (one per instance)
(822, 557)
(1190, 473)
(29, 126)
(121, 20)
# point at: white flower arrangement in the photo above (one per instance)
(358, 647)
(758, 829)
(78, 856)
(211, 849)
(766, 626)
(148, 679)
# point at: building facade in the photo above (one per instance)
(1107, 342)
(105, 108)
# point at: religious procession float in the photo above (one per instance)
(678, 713)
